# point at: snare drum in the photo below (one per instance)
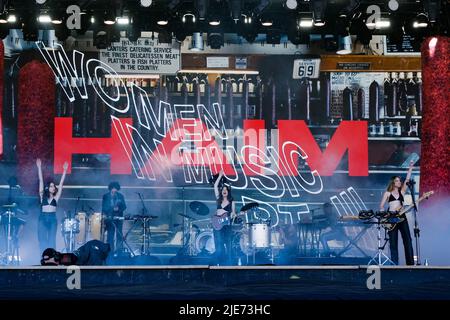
(81, 236)
(95, 226)
(70, 226)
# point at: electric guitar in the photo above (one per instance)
(218, 222)
(390, 222)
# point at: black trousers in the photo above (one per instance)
(222, 243)
(403, 227)
(114, 229)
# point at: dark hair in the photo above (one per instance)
(220, 199)
(47, 189)
(391, 186)
(48, 254)
(113, 185)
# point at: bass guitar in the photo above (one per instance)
(389, 223)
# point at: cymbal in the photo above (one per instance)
(249, 206)
(12, 205)
(186, 216)
(199, 208)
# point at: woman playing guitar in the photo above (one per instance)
(394, 197)
(225, 208)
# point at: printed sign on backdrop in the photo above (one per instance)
(143, 56)
(354, 81)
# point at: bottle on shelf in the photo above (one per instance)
(398, 129)
(347, 108)
(402, 94)
(374, 101)
(418, 91)
(390, 129)
(361, 100)
(392, 102)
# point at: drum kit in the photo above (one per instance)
(80, 229)
(256, 236)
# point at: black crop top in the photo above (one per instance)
(392, 198)
(227, 208)
(45, 202)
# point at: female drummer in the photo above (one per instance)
(225, 208)
(48, 196)
(394, 196)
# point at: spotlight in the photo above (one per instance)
(146, 3)
(318, 8)
(3, 18)
(421, 21)
(291, 4)
(215, 40)
(381, 23)
(432, 7)
(123, 20)
(41, 1)
(109, 18)
(162, 22)
(345, 45)
(12, 18)
(202, 8)
(197, 42)
(236, 8)
(187, 17)
(214, 21)
(44, 18)
(101, 40)
(305, 23)
(266, 22)
(57, 20)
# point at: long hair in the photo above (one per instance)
(229, 197)
(47, 190)
(391, 186)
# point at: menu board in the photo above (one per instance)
(408, 45)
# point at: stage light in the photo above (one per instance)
(146, 3)
(44, 18)
(57, 20)
(187, 17)
(215, 40)
(318, 8)
(3, 18)
(109, 18)
(421, 21)
(432, 7)
(236, 9)
(345, 45)
(291, 4)
(197, 42)
(123, 20)
(305, 23)
(202, 8)
(41, 1)
(162, 22)
(12, 18)
(266, 22)
(214, 22)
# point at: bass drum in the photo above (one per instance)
(204, 243)
(95, 226)
(81, 237)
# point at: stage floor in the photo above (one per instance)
(234, 282)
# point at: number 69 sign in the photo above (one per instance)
(306, 68)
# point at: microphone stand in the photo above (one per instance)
(410, 185)
(146, 244)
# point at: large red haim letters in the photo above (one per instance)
(350, 136)
(66, 146)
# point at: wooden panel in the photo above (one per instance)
(377, 63)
